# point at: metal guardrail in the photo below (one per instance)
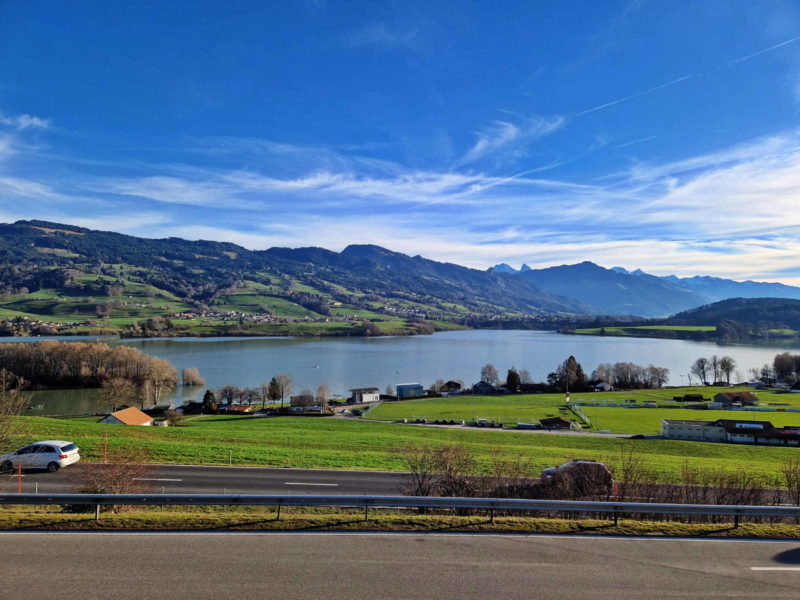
(367, 502)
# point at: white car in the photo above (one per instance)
(47, 454)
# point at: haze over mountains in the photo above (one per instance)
(617, 291)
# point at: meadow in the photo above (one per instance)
(352, 444)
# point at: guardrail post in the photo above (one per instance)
(491, 515)
(366, 512)
(97, 512)
(736, 521)
(279, 513)
(616, 516)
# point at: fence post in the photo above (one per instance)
(19, 478)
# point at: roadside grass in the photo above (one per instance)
(305, 519)
(329, 443)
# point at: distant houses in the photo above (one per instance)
(128, 416)
(731, 430)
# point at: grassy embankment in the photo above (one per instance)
(305, 519)
(353, 444)
(531, 408)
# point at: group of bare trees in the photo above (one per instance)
(718, 369)
(277, 389)
(489, 374)
(452, 470)
(629, 376)
(125, 375)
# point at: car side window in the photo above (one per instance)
(48, 449)
(25, 450)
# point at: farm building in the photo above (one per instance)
(731, 398)
(731, 430)
(127, 416)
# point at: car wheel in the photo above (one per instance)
(52, 467)
(6, 467)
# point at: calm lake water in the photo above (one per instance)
(344, 363)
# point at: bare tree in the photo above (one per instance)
(525, 377)
(191, 377)
(714, 365)
(790, 469)
(228, 394)
(700, 368)
(116, 392)
(421, 464)
(489, 374)
(285, 385)
(727, 365)
(125, 472)
(13, 402)
(438, 385)
(323, 396)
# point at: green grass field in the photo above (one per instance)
(526, 408)
(344, 444)
(643, 329)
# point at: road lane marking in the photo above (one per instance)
(154, 479)
(301, 483)
(775, 568)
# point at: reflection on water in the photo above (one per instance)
(345, 363)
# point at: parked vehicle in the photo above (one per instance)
(48, 454)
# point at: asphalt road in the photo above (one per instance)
(376, 566)
(178, 479)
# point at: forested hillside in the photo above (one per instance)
(61, 277)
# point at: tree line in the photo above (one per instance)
(52, 364)
(569, 376)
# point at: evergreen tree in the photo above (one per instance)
(512, 380)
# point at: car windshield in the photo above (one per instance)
(69, 448)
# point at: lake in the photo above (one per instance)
(345, 363)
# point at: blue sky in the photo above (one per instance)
(648, 134)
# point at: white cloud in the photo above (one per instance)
(21, 122)
(502, 134)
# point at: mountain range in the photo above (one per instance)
(51, 269)
(617, 291)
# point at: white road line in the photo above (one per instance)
(301, 483)
(154, 479)
(775, 568)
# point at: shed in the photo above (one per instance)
(128, 416)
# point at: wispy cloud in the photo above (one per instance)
(22, 122)
(381, 35)
(501, 135)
